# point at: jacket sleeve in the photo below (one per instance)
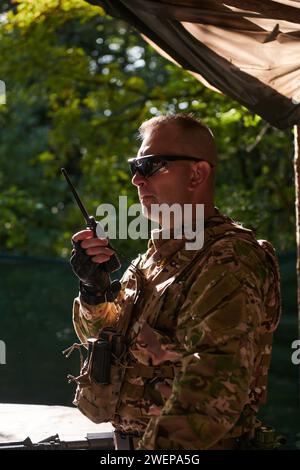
(217, 329)
(89, 319)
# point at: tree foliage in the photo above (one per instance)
(79, 83)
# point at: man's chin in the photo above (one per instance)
(147, 212)
(146, 202)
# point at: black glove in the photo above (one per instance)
(95, 284)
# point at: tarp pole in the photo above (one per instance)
(297, 207)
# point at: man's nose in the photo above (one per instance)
(138, 179)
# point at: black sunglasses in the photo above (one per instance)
(150, 164)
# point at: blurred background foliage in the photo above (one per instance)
(79, 84)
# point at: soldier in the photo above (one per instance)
(198, 324)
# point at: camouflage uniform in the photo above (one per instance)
(216, 310)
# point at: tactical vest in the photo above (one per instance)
(116, 402)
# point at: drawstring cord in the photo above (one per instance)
(67, 353)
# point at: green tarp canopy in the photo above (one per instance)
(246, 49)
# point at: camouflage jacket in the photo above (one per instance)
(214, 311)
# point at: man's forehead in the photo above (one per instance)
(164, 139)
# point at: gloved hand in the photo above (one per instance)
(90, 263)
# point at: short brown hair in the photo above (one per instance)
(186, 121)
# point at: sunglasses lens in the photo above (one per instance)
(146, 167)
(132, 168)
(141, 167)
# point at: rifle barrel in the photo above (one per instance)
(100, 441)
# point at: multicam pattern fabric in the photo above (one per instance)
(212, 312)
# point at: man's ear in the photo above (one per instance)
(200, 173)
